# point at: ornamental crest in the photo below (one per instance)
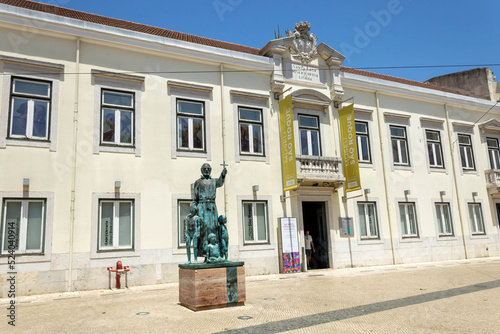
(304, 44)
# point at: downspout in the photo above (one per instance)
(73, 167)
(455, 182)
(223, 128)
(384, 173)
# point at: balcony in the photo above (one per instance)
(324, 171)
(492, 180)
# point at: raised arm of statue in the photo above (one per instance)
(220, 180)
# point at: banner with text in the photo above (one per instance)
(349, 148)
(287, 144)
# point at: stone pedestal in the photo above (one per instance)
(212, 285)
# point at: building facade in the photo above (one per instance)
(104, 125)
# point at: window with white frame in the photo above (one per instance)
(466, 152)
(368, 224)
(23, 226)
(251, 136)
(399, 142)
(190, 125)
(476, 218)
(183, 209)
(255, 225)
(30, 109)
(444, 221)
(117, 118)
(116, 224)
(363, 141)
(434, 149)
(493, 153)
(309, 135)
(408, 219)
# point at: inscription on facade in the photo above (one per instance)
(303, 72)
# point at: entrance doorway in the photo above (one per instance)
(314, 219)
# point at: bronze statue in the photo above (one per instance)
(204, 198)
(223, 236)
(192, 232)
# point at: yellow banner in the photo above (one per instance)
(287, 144)
(349, 148)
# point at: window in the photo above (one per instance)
(399, 144)
(309, 135)
(363, 141)
(368, 224)
(116, 225)
(434, 149)
(493, 153)
(183, 209)
(30, 109)
(476, 218)
(23, 226)
(466, 153)
(190, 125)
(250, 125)
(255, 222)
(443, 216)
(117, 118)
(408, 219)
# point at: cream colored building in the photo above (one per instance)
(104, 125)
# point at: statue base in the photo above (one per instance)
(205, 286)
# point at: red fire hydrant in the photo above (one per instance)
(120, 269)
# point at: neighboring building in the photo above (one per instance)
(478, 82)
(104, 125)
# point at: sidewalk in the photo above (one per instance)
(440, 297)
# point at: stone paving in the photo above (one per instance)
(441, 297)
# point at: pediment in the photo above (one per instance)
(491, 125)
(310, 96)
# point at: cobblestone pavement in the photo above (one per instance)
(440, 297)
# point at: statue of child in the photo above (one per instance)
(192, 232)
(224, 237)
(213, 251)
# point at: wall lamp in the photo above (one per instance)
(367, 191)
(407, 192)
(255, 188)
(118, 184)
(26, 182)
(442, 193)
(474, 194)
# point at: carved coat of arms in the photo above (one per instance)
(304, 44)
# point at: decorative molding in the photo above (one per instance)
(119, 76)
(393, 115)
(462, 125)
(249, 95)
(184, 85)
(431, 120)
(30, 62)
(491, 126)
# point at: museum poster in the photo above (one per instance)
(349, 148)
(290, 245)
(287, 144)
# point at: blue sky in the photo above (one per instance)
(370, 33)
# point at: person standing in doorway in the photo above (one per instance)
(309, 247)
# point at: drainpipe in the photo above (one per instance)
(455, 182)
(223, 128)
(384, 173)
(73, 167)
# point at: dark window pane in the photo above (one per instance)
(126, 127)
(40, 119)
(308, 121)
(244, 138)
(190, 107)
(108, 125)
(303, 143)
(257, 139)
(20, 114)
(183, 132)
(118, 99)
(31, 87)
(197, 133)
(251, 115)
